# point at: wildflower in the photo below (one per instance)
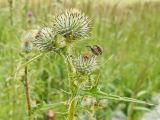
(45, 39)
(103, 103)
(27, 38)
(88, 101)
(84, 65)
(29, 14)
(26, 46)
(72, 24)
(50, 115)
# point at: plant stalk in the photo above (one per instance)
(27, 91)
(72, 102)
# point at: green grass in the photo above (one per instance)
(130, 33)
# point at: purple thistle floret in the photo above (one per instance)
(29, 14)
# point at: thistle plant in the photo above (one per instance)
(26, 47)
(30, 16)
(72, 25)
(69, 27)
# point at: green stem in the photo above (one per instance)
(71, 111)
(72, 102)
(27, 91)
(70, 69)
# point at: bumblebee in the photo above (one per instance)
(87, 55)
(96, 50)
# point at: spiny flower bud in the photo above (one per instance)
(26, 44)
(83, 65)
(50, 115)
(87, 101)
(72, 24)
(103, 103)
(44, 40)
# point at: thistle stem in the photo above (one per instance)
(27, 91)
(72, 102)
(71, 110)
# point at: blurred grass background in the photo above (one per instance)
(129, 31)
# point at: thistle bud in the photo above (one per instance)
(88, 101)
(26, 44)
(103, 103)
(84, 66)
(45, 39)
(50, 115)
(72, 24)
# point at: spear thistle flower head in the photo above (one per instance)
(45, 39)
(29, 14)
(72, 24)
(85, 66)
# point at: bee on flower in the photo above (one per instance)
(96, 50)
(85, 64)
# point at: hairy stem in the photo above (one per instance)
(72, 102)
(27, 92)
(71, 111)
(70, 70)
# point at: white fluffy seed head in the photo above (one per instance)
(84, 66)
(72, 24)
